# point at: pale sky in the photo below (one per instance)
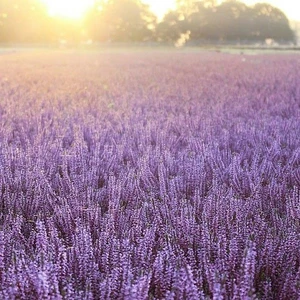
(290, 7)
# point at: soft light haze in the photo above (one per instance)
(76, 8)
(73, 9)
(290, 7)
(160, 7)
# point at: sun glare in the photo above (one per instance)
(75, 9)
(72, 9)
(160, 7)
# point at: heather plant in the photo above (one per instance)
(149, 175)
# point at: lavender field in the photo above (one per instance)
(149, 175)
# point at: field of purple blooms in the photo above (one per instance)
(149, 175)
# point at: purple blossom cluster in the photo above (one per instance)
(149, 175)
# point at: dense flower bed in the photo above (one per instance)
(149, 175)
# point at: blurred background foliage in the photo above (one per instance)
(28, 21)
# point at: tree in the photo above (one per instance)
(231, 20)
(235, 20)
(122, 21)
(23, 21)
(202, 21)
(271, 23)
(171, 27)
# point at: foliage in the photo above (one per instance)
(149, 176)
(23, 21)
(121, 21)
(270, 22)
(27, 21)
(229, 21)
(172, 26)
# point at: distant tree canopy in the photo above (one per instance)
(23, 21)
(133, 21)
(229, 21)
(121, 21)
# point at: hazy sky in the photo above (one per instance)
(290, 7)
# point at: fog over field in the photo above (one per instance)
(153, 174)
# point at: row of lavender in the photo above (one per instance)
(149, 176)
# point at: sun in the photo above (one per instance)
(160, 7)
(71, 9)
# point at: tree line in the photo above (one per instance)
(132, 21)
